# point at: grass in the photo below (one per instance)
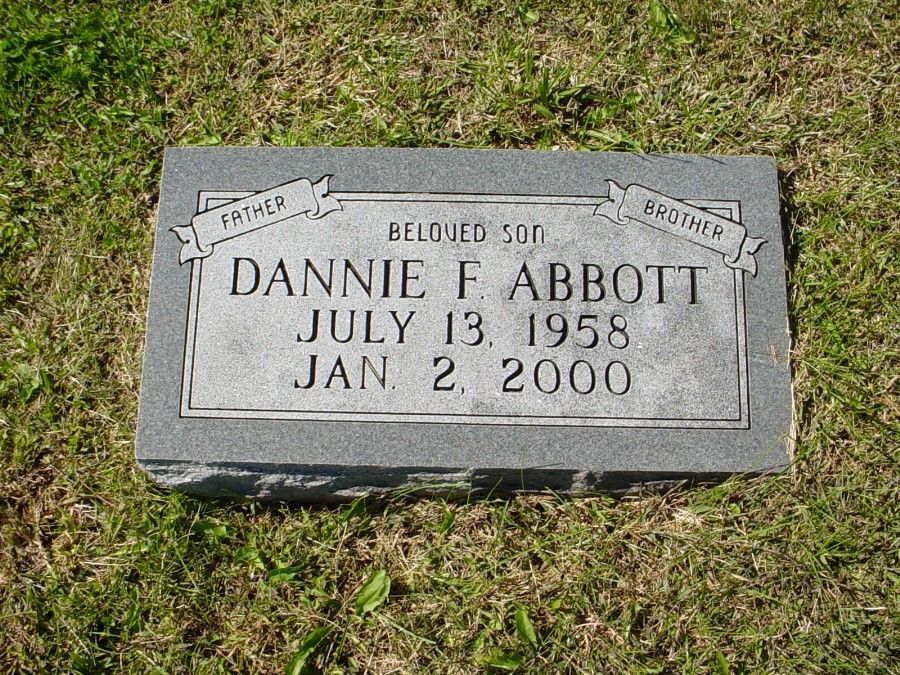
(102, 571)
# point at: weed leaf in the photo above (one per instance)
(356, 508)
(668, 25)
(722, 664)
(281, 574)
(298, 660)
(447, 522)
(252, 556)
(524, 629)
(500, 660)
(210, 528)
(373, 593)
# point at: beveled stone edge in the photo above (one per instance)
(336, 484)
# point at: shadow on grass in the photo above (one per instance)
(790, 222)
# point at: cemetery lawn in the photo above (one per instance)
(102, 571)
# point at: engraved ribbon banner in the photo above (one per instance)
(298, 197)
(637, 203)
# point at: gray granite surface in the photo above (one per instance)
(325, 323)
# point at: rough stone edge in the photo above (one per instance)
(323, 484)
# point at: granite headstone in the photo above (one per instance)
(325, 323)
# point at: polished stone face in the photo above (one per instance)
(329, 322)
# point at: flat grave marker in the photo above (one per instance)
(325, 323)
